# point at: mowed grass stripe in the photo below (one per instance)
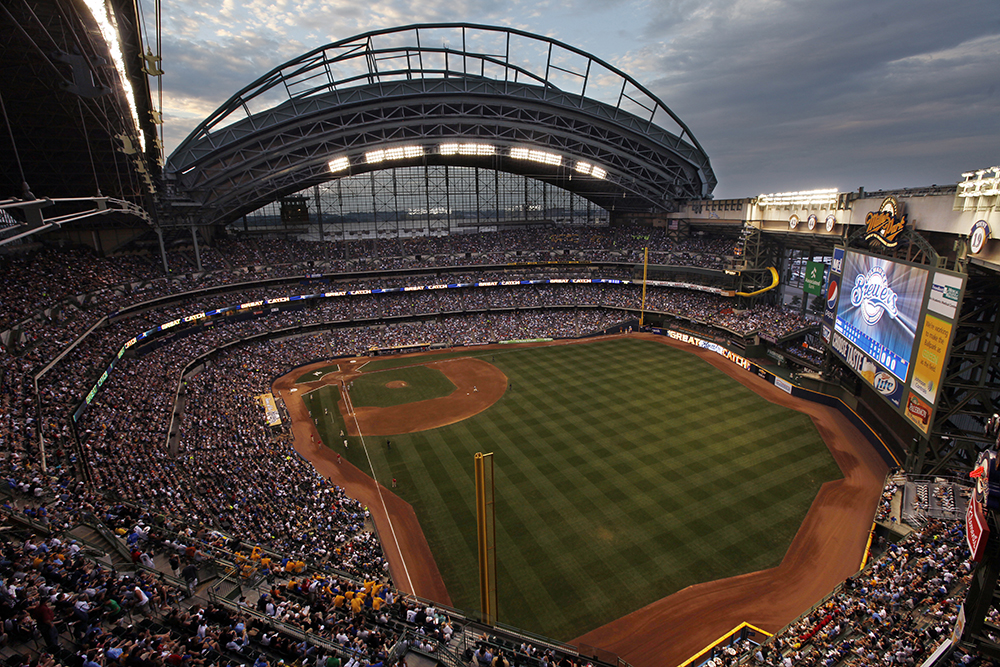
(626, 470)
(572, 531)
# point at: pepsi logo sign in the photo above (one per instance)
(832, 292)
(872, 294)
(884, 383)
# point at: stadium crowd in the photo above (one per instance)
(897, 611)
(57, 593)
(62, 279)
(230, 475)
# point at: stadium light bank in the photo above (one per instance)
(822, 197)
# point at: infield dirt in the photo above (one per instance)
(827, 548)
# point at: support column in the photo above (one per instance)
(163, 251)
(319, 212)
(805, 295)
(41, 426)
(197, 252)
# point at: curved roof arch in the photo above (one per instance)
(509, 99)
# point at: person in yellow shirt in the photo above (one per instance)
(356, 604)
(339, 601)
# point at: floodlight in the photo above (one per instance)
(801, 198)
(108, 24)
(536, 156)
(478, 150)
(395, 153)
(339, 164)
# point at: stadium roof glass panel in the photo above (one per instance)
(423, 86)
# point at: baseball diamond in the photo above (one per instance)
(616, 491)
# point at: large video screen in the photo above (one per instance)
(879, 308)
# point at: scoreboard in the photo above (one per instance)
(892, 323)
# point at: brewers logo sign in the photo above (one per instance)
(872, 294)
(884, 226)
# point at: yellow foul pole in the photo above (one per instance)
(645, 268)
(486, 536)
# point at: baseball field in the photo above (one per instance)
(626, 470)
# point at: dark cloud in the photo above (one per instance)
(797, 95)
(782, 95)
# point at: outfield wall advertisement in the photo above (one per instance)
(785, 386)
(709, 345)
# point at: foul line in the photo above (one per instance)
(378, 488)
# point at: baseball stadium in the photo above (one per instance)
(432, 346)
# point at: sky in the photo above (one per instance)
(782, 95)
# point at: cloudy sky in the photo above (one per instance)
(783, 95)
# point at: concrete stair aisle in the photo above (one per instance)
(96, 542)
(414, 659)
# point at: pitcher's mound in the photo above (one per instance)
(397, 384)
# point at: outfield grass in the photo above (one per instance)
(312, 376)
(626, 470)
(422, 383)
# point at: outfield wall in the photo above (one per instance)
(793, 390)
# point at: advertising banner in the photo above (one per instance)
(880, 380)
(814, 277)
(832, 293)
(878, 308)
(710, 345)
(977, 531)
(918, 412)
(945, 291)
(271, 415)
(929, 362)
